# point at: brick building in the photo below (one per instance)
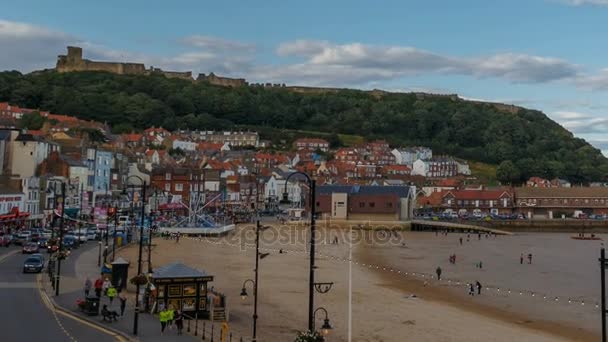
(355, 202)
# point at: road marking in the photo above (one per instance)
(49, 305)
(9, 254)
(17, 285)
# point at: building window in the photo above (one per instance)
(361, 204)
(389, 204)
(318, 204)
(372, 204)
(167, 176)
(179, 187)
(167, 187)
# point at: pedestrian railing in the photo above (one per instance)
(209, 331)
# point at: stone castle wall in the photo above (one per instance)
(73, 61)
(221, 81)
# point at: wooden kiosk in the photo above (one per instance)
(183, 288)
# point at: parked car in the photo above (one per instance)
(30, 247)
(33, 264)
(23, 238)
(91, 234)
(47, 233)
(6, 240)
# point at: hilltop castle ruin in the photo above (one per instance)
(73, 61)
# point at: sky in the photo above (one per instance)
(549, 55)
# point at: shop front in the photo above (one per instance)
(182, 288)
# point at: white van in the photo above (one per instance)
(124, 220)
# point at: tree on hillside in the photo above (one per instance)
(507, 172)
(476, 131)
(32, 120)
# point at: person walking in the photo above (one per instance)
(461, 241)
(438, 271)
(87, 287)
(112, 293)
(177, 237)
(529, 258)
(123, 303)
(171, 316)
(105, 286)
(163, 317)
(98, 287)
(179, 321)
(471, 289)
(521, 259)
(478, 285)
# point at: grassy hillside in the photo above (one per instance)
(532, 143)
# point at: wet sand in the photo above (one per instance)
(382, 308)
(561, 267)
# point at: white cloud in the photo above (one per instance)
(30, 47)
(570, 115)
(326, 63)
(597, 81)
(586, 2)
(216, 44)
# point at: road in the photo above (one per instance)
(24, 314)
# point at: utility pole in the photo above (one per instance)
(141, 242)
(311, 283)
(603, 288)
(60, 250)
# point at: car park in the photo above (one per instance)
(33, 264)
(30, 247)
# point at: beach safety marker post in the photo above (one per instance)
(603, 287)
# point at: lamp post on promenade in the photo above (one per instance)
(141, 242)
(258, 256)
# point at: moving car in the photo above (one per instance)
(47, 233)
(23, 238)
(30, 247)
(33, 264)
(70, 242)
(43, 242)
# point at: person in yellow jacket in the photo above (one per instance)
(171, 316)
(163, 316)
(112, 293)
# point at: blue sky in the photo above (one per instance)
(544, 54)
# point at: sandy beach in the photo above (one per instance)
(383, 306)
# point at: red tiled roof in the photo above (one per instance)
(312, 140)
(62, 118)
(397, 167)
(478, 195)
(132, 137)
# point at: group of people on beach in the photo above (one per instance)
(521, 258)
(473, 286)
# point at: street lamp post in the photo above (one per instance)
(105, 252)
(258, 256)
(60, 250)
(141, 242)
(311, 279)
(326, 327)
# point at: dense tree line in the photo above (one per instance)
(524, 143)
